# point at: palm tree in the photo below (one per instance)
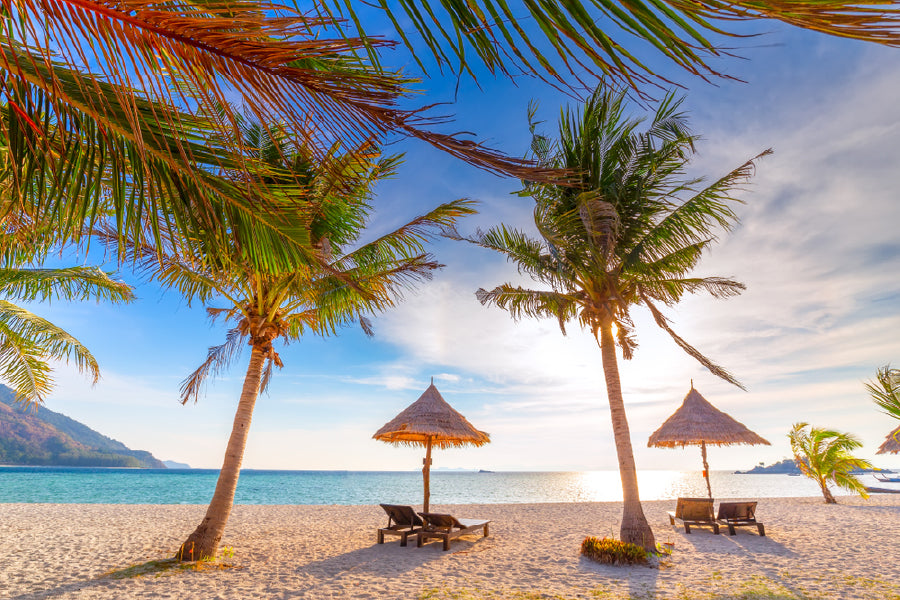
(626, 233)
(824, 456)
(347, 283)
(27, 341)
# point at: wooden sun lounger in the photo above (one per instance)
(694, 511)
(447, 527)
(402, 521)
(738, 514)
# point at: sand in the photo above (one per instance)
(812, 550)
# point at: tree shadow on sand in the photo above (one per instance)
(151, 568)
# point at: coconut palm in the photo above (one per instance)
(824, 456)
(627, 233)
(349, 282)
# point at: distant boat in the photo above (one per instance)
(880, 477)
(794, 474)
(484, 471)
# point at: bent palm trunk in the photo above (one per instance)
(829, 498)
(635, 528)
(204, 542)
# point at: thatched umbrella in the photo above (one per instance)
(890, 445)
(430, 421)
(697, 422)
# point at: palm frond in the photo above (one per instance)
(885, 390)
(713, 368)
(69, 283)
(27, 342)
(694, 220)
(217, 359)
(521, 302)
(566, 41)
(528, 254)
(283, 63)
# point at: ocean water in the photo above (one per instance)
(195, 486)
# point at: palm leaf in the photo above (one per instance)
(885, 390)
(712, 367)
(281, 62)
(70, 283)
(218, 358)
(568, 40)
(27, 342)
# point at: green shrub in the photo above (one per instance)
(613, 551)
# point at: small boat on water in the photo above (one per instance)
(884, 479)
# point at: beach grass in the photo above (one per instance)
(167, 566)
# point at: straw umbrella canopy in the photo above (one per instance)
(698, 423)
(428, 422)
(890, 445)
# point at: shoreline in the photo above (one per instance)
(811, 550)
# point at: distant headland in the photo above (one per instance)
(789, 466)
(42, 437)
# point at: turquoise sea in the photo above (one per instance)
(195, 486)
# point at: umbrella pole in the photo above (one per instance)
(705, 469)
(426, 472)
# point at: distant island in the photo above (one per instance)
(45, 438)
(789, 467)
(171, 464)
(785, 466)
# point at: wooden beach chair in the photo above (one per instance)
(402, 521)
(737, 514)
(694, 511)
(447, 527)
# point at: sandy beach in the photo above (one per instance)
(812, 550)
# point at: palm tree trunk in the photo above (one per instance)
(829, 499)
(635, 528)
(204, 542)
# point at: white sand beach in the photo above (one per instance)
(811, 550)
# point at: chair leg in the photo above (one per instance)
(486, 530)
(762, 529)
(671, 520)
(716, 528)
(731, 530)
(446, 543)
(380, 536)
(403, 538)
(687, 528)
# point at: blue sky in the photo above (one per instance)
(818, 249)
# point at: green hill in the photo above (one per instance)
(44, 437)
